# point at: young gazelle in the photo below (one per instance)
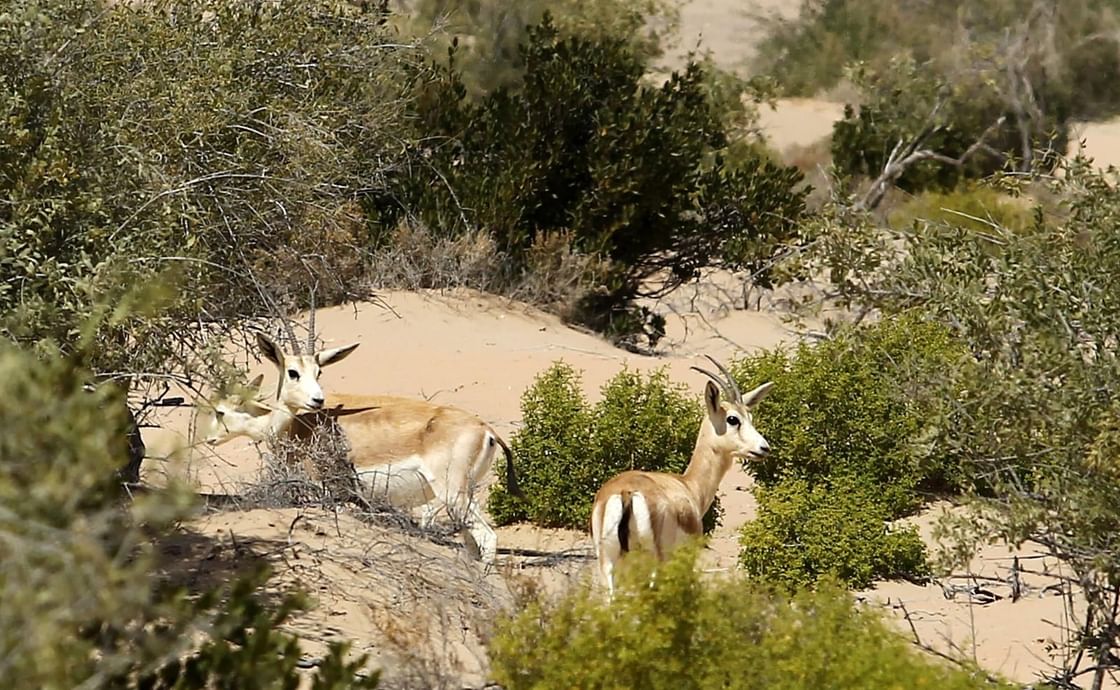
(657, 510)
(409, 452)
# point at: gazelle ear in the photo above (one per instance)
(270, 350)
(758, 394)
(326, 357)
(255, 384)
(711, 398)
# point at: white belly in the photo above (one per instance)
(402, 484)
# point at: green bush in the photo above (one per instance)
(688, 633)
(805, 532)
(896, 106)
(976, 207)
(135, 137)
(566, 449)
(1072, 44)
(81, 605)
(492, 31)
(634, 173)
(841, 410)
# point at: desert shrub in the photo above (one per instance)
(83, 603)
(631, 172)
(688, 632)
(1032, 410)
(808, 53)
(492, 32)
(973, 206)
(1073, 42)
(905, 100)
(805, 532)
(414, 257)
(841, 410)
(187, 142)
(965, 64)
(566, 449)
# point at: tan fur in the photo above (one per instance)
(446, 450)
(382, 429)
(677, 502)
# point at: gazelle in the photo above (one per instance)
(410, 452)
(658, 510)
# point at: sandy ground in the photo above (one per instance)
(729, 29)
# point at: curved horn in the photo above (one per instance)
(311, 326)
(719, 381)
(287, 324)
(730, 379)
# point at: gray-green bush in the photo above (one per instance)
(221, 144)
(1031, 413)
(83, 603)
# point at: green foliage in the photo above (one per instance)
(566, 449)
(220, 142)
(688, 633)
(492, 32)
(805, 532)
(973, 206)
(247, 650)
(850, 453)
(1031, 411)
(631, 172)
(1073, 40)
(809, 53)
(81, 607)
(841, 410)
(906, 100)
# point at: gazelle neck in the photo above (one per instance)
(271, 420)
(706, 469)
(280, 420)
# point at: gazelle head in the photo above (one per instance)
(235, 414)
(298, 388)
(729, 415)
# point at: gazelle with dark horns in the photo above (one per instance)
(409, 452)
(657, 510)
(297, 389)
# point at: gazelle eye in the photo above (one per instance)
(733, 420)
(219, 414)
(293, 374)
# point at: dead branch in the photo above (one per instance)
(906, 154)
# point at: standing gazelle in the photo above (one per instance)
(409, 452)
(657, 510)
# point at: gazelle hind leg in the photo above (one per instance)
(485, 538)
(607, 544)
